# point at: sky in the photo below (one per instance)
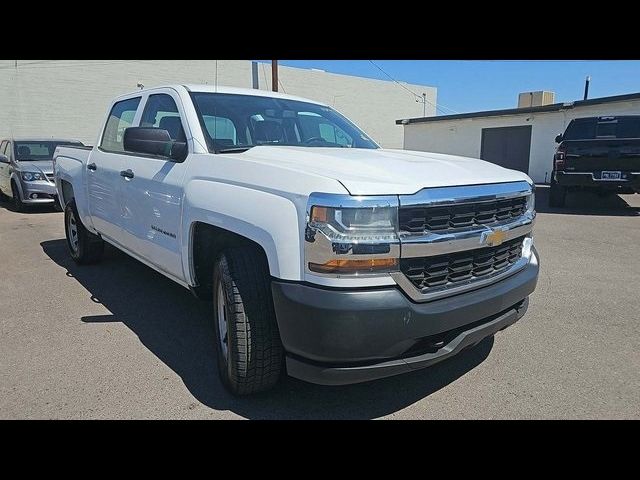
(468, 86)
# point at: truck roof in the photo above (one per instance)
(229, 90)
(42, 139)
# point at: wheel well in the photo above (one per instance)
(207, 243)
(67, 191)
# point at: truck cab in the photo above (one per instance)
(326, 257)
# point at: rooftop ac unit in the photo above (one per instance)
(536, 99)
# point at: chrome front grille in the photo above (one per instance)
(421, 218)
(454, 239)
(451, 269)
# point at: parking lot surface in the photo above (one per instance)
(118, 340)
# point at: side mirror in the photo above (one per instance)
(559, 138)
(4, 158)
(154, 141)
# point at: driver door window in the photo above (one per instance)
(161, 111)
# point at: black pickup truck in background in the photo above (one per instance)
(597, 153)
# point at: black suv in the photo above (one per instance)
(597, 153)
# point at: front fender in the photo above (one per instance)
(15, 177)
(269, 219)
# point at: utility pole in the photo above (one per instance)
(586, 87)
(274, 75)
(424, 104)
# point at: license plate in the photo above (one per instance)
(611, 175)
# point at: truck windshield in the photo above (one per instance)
(235, 123)
(33, 151)
(603, 127)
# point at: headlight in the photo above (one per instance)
(355, 224)
(531, 201)
(357, 237)
(32, 176)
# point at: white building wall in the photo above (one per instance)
(464, 136)
(69, 98)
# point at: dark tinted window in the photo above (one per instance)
(580, 129)
(628, 127)
(120, 117)
(31, 151)
(603, 127)
(161, 111)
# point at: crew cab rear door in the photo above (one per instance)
(103, 171)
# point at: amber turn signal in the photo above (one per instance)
(319, 214)
(354, 266)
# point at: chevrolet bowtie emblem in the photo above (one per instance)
(494, 238)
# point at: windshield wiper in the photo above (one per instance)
(235, 149)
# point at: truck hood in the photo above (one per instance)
(384, 171)
(45, 166)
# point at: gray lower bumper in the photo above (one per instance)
(336, 337)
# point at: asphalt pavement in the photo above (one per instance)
(118, 340)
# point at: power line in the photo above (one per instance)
(420, 97)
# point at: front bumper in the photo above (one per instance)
(46, 192)
(335, 337)
(591, 179)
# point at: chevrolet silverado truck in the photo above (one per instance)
(326, 257)
(600, 154)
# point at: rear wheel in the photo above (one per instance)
(557, 195)
(84, 246)
(250, 354)
(18, 204)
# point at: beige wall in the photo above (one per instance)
(69, 98)
(463, 137)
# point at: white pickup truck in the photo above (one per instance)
(325, 256)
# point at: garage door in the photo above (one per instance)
(507, 146)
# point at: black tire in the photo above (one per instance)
(254, 356)
(18, 204)
(557, 195)
(84, 247)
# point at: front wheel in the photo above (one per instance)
(84, 246)
(250, 354)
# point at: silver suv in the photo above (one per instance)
(26, 170)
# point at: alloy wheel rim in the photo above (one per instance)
(73, 232)
(221, 314)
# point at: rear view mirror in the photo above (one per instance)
(154, 141)
(4, 158)
(559, 138)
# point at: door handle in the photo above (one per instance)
(126, 173)
(91, 166)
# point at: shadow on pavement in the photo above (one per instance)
(177, 328)
(586, 203)
(7, 204)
